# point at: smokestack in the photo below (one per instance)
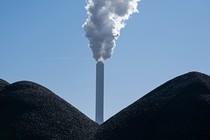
(100, 92)
(105, 20)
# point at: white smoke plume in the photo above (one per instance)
(105, 20)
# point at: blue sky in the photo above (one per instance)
(43, 41)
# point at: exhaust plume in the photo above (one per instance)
(105, 20)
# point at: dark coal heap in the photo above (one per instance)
(177, 110)
(29, 111)
(3, 84)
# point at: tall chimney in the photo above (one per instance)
(99, 92)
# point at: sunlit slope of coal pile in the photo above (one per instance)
(30, 111)
(177, 110)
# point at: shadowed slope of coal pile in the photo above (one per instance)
(30, 111)
(177, 110)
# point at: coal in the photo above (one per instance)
(177, 110)
(29, 111)
(3, 83)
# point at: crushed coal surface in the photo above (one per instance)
(31, 111)
(177, 110)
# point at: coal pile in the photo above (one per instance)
(3, 83)
(177, 110)
(29, 111)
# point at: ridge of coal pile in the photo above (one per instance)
(3, 83)
(29, 111)
(177, 110)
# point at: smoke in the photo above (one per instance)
(105, 20)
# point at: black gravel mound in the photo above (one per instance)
(3, 84)
(29, 111)
(177, 110)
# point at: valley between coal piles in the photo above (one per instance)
(177, 110)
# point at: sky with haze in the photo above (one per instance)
(43, 41)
